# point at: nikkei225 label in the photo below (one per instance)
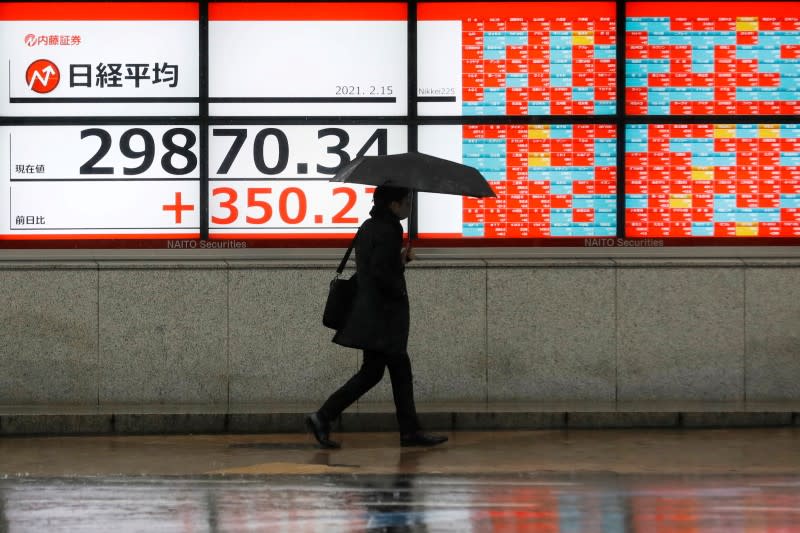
(99, 181)
(273, 180)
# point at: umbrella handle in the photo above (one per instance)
(411, 212)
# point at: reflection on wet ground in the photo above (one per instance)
(552, 481)
(323, 503)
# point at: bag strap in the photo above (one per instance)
(347, 254)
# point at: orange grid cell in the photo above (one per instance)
(561, 201)
(583, 187)
(583, 215)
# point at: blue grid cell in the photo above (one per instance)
(657, 109)
(540, 174)
(661, 97)
(484, 149)
(538, 108)
(603, 147)
(494, 96)
(560, 189)
(488, 163)
(790, 131)
(606, 218)
(724, 202)
(635, 80)
(790, 95)
(636, 132)
(562, 173)
(636, 201)
(689, 94)
(790, 201)
(757, 94)
(647, 66)
(561, 81)
(472, 230)
(636, 67)
(561, 38)
(582, 173)
(605, 160)
(558, 70)
(516, 80)
(482, 109)
(747, 215)
(583, 93)
(714, 160)
(747, 131)
(648, 24)
(560, 55)
(605, 108)
(703, 54)
(695, 146)
(494, 54)
(597, 201)
(484, 142)
(494, 175)
(605, 51)
(769, 66)
(560, 217)
(561, 131)
(494, 39)
(778, 38)
(703, 229)
(789, 68)
(761, 53)
(635, 146)
(790, 159)
(703, 68)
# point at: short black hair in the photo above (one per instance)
(385, 195)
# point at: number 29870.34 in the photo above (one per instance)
(292, 206)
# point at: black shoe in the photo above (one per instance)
(321, 431)
(421, 439)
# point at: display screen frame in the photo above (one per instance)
(412, 120)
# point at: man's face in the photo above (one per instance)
(401, 209)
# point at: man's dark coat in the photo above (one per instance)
(379, 320)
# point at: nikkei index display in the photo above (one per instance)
(88, 176)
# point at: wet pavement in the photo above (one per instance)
(556, 481)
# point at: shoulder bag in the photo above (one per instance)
(341, 294)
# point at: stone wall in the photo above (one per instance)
(223, 332)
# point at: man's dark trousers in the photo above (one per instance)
(370, 373)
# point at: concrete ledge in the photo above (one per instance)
(196, 419)
(736, 420)
(601, 420)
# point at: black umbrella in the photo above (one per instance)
(420, 172)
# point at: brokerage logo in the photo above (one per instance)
(42, 76)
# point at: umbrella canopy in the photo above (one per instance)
(420, 172)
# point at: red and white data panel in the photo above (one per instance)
(99, 58)
(272, 181)
(308, 59)
(99, 182)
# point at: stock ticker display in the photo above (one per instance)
(526, 92)
(551, 181)
(712, 180)
(519, 58)
(712, 58)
